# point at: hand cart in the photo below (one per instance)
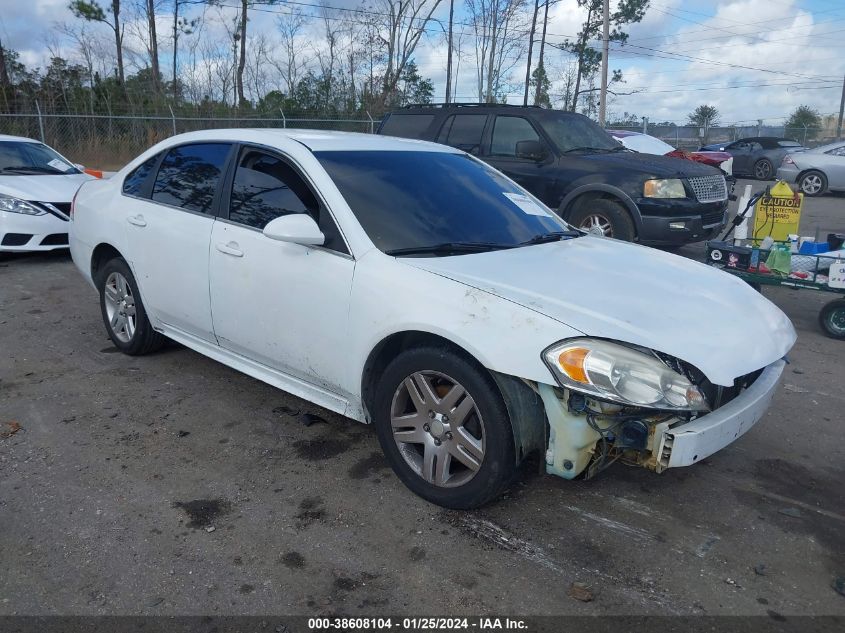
(809, 272)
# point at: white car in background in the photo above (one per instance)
(37, 185)
(411, 285)
(647, 144)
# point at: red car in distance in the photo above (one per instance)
(647, 144)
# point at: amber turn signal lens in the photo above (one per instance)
(571, 361)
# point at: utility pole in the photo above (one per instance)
(605, 37)
(841, 110)
(449, 55)
(530, 50)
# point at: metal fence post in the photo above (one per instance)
(172, 118)
(284, 120)
(645, 125)
(40, 121)
(372, 123)
(804, 142)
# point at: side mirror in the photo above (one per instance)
(297, 228)
(532, 150)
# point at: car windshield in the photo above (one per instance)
(28, 158)
(434, 203)
(572, 133)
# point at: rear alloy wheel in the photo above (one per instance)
(444, 428)
(123, 311)
(832, 319)
(607, 218)
(763, 169)
(813, 183)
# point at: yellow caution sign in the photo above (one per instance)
(777, 214)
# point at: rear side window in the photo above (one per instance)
(463, 131)
(137, 178)
(507, 132)
(407, 125)
(189, 175)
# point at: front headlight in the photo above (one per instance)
(15, 205)
(610, 371)
(669, 188)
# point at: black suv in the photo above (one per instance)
(575, 167)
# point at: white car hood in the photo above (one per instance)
(43, 187)
(625, 292)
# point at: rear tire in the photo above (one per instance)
(813, 183)
(444, 429)
(763, 169)
(605, 217)
(832, 319)
(123, 311)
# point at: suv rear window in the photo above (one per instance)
(407, 125)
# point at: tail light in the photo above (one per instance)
(787, 160)
(73, 205)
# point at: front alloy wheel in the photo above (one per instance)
(763, 169)
(444, 427)
(596, 224)
(438, 428)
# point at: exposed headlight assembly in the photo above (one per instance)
(15, 205)
(669, 188)
(614, 372)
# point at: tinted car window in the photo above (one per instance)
(463, 131)
(418, 199)
(507, 132)
(189, 175)
(133, 185)
(265, 187)
(406, 125)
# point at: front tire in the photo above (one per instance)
(444, 428)
(813, 183)
(763, 169)
(604, 217)
(123, 311)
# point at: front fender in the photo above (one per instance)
(603, 188)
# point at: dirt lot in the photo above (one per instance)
(122, 466)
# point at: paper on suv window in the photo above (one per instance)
(526, 204)
(59, 164)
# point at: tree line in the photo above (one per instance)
(317, 57)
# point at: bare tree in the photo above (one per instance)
(293, 59)
(93, 12)
(403, 23)
(499, 29)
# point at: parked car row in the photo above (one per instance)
(410, 285)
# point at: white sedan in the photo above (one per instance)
(410, 285)
(36, 188)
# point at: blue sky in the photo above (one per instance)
(750, 58)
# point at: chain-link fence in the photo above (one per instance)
(108, 142)
(692, 137)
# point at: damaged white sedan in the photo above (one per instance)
(410, 285)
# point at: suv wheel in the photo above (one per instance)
(444, 428)
(604, 217)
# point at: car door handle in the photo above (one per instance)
(137, 220)
(230, 249)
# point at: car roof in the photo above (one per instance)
(623, 133)
(19, 139)
(315, 140)
(482, 108)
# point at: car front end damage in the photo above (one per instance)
(584, 434)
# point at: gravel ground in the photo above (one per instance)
(170, 484)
